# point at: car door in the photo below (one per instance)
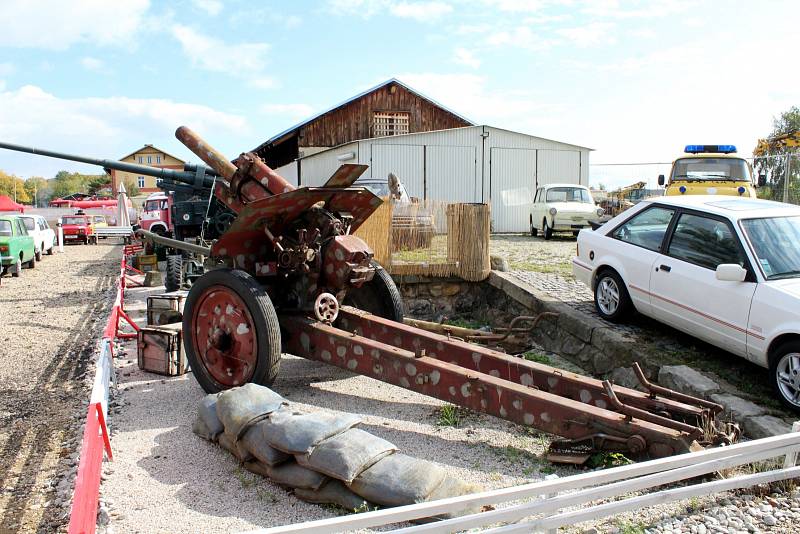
(536, 216)
(640, 239)
(685, 292)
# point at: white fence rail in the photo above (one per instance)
(546, 499)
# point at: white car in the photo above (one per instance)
(44, 238)
(562, 208)
(723, 269)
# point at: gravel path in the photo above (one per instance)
(48, 320)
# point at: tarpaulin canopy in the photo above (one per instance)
(6, 204)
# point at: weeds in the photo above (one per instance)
(538, 357)
(605, 460)
(266, 496)
(626, 527)
(364, 508)
(465, 323)
(244, 479)
(449, 415)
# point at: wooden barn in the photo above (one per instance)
(388, 109)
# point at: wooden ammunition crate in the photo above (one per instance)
(148, 262)
(166, 308)
(160, 350)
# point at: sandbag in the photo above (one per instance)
(207, 425)
(294, 475)
(240, 407)
(335, 492)
(300, 433)
(346, 455)
(397, 480)
(254, 440)
(454, 487)
(229, 443)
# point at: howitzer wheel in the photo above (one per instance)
(174, 278)
(379, 296)
(230, 331)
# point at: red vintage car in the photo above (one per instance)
(78, 228)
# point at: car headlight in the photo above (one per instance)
(553, 211)
(600, 212)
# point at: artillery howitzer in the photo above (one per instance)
(292, 277)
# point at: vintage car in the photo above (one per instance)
(44, 238)
(16, 246)
(723, 269)
(78, 229)
(562, 208)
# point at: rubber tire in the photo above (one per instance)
(575, 234)
(51, 249)
(18, 271)
(546, 230)
(268, 333)
(379, 296)
(38, 253)
(785, 347)
(32, 262)
(174, 275)
(534, 230)
(625, 305)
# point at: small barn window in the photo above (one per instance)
(390, 123)
(141, 181)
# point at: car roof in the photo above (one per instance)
(728, 206)
(548, 186)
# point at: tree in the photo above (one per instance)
(14, 187)
(131, 187)
(38, 190)
(773, 163)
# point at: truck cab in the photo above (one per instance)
(156, 214)
(710, 170)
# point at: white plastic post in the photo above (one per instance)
(60, 238)
(791, 458)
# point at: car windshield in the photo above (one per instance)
(733, 169)
(30, 224)
(74, 220)
(776, 242)
(569, 194)
(5, 228)
(99, 219)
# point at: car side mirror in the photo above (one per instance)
(731, 272)
(661, 179)
(762, 180)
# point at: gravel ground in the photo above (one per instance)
(48, 320)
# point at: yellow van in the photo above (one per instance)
(711, 170)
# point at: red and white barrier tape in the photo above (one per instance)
(83, 517)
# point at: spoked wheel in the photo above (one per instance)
(230, 331)
(379, 296)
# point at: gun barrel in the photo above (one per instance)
(187, 176)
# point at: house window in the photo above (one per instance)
(141, 159)
(390, 123)
(141, 180)
(158, 181)
(158, 158)
(149, 159)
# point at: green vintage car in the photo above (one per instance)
(16, 246)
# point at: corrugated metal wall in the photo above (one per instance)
(472, 164)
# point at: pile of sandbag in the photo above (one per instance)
(322, 457)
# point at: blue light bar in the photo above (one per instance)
(706, 149)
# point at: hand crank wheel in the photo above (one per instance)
(230, 331)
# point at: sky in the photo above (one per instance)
(634, 80)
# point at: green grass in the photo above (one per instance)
(626, 527)
(266, 496)
(607, 460)
(449, 415)
(245, 479)
(465, 323)
(538, 357)
(563, 269)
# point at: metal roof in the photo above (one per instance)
(356, 97)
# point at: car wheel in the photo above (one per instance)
(17, 269)
(32, 262)
(38, 253)
(546, 230)
(50, 250)
(784, 371)
(534, 230)
(575, 234)
(611, 299)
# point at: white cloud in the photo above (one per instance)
(516, 6)
(7, 68)
(420, 11)
(462, 56)
(630, 10)
(212, 7)
(240, 60)
(57, 25)
(92, 63)
(103, 127)
(520, 37)
(292, 111)
(591, 34)
(263, 83)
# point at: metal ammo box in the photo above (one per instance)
(160, 350)
(166, 308)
